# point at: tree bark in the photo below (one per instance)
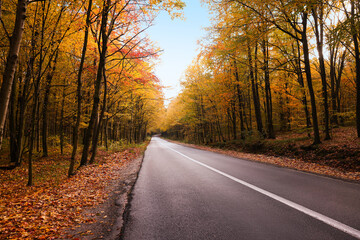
(101, 66)
(14, 144)
(299, 73)
(78, 91)
(270, 126)
(355, 35)
(99, 123)
(49, 78)
(62, 119)
(32, 130)
(240, 101)
(309, 79)
(255, 94)
(319, 35)
(11, 63)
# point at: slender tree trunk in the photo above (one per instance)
(319, 34)
(270, 126)
(94, 113)
(32, 131)
(106, 133)
(233, 119)
(338, 80)
(309, 80)
(302, 85)
(49, 78)
(250, 127)
(240, 101)
(255, 94)
(23, 101)
(11, 63)
(355, 35)
(333, 55)
(100, 122)
(14, 144)
(78, 91)
(62, 119)
(37, 130)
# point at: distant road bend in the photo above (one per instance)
(186, 193)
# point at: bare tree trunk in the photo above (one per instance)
(11, 63)
(240, 101)
(90, 129)
(309, 80)
(100, 122)
(255, 94)
(333, 55)
(32, 131)
(319, 34)
(49, 78)
(78, 92)
(106, 133)
(62, 119)
(37, 129)
(302, 85)
(14, 144)
(355, 35)
(270, 126)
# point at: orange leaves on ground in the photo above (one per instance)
(55, 204)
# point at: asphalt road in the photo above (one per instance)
(186, 193)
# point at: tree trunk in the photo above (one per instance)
(270, 126)
(333, 55)
(62, 119)
(100, 122)
(319, 35)
(49, 78)
(233, 119)
(32, 131)
(11, 63)
(255, 94)
(14, 144)
(94, 113)
(106, 133)
(240, 101)
(78, 92)
(309, 80)
(355, 34)
(302, 85)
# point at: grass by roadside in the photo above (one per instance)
(339, 157)
(56, 202)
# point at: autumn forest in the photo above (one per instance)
(78, 79)
(269, 67)
(77, 69)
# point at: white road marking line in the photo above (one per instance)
(336, 224)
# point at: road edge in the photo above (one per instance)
(228, 153)
(127, 209)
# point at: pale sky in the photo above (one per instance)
(178, 39)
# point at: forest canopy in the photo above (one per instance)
(268, 67)
(78, 71)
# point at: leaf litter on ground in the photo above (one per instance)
(56, 202)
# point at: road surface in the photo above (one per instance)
(186, 193)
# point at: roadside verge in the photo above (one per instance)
(281, 161)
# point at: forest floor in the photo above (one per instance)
(338, 157)
(88, 205)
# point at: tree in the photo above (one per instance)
(11, 63)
